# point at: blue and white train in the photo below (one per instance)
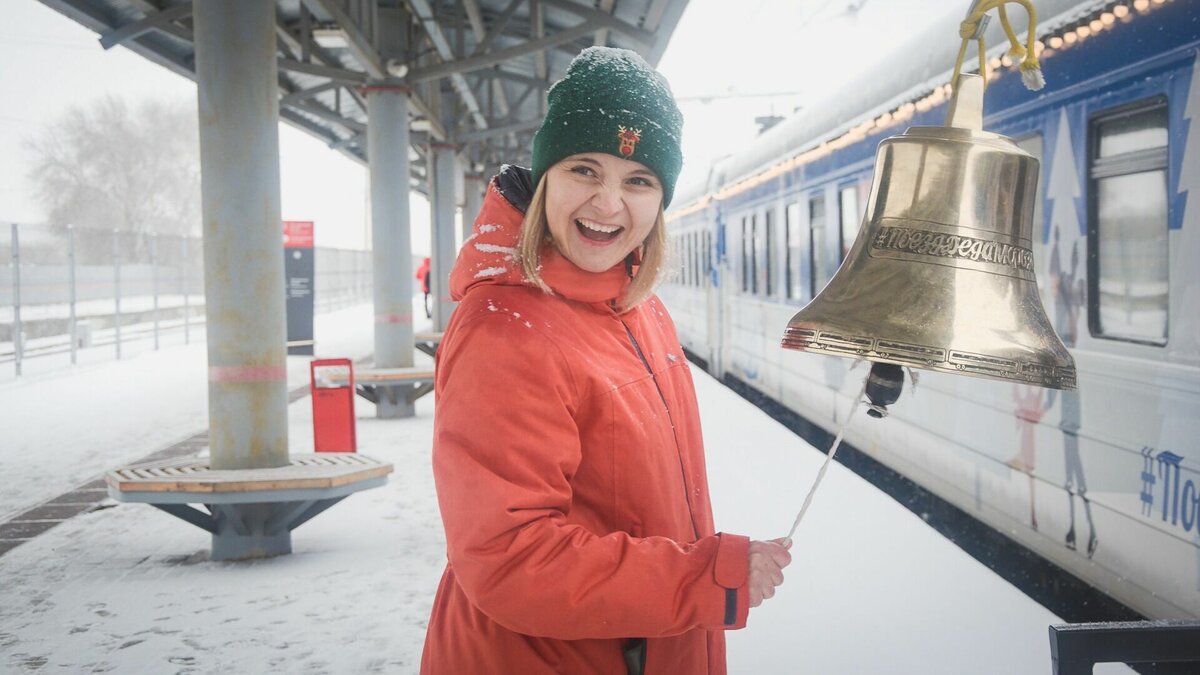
(1103, 481)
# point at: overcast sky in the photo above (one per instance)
(798, 47)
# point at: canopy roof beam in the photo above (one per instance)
(473, 63)
(424, 12)
(472, 136)
(642, 36)
(481, 37)
(155, 21)
(356, 40)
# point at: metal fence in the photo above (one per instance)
(65, 289)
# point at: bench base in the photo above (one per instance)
(245, 531)
(394, 400)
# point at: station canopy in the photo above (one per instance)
(478, 69)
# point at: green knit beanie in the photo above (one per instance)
(612, 101)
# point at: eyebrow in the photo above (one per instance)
(636, 172)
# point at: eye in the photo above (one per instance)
(583, 170)
(641, 181)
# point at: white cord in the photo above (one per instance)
(787, 541)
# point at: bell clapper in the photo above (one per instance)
(884, 384)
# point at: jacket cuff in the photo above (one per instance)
(730, 572)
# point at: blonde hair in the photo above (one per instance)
(535, 233)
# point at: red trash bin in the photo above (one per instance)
(331, 384)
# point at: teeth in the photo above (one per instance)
(593, 225)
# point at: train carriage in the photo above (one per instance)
(1102, 481)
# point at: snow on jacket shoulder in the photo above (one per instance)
(570, 475)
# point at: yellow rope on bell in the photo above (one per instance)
(1031, 70)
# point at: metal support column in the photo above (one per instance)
(442, 202)
(236, 79)
(391, 242)
(474, 186)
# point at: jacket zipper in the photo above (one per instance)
(687, 497)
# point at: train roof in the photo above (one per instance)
(925, 65)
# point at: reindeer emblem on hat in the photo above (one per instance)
(628, 139)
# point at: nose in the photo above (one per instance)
(608, 199)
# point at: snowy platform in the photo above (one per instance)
(129, 589)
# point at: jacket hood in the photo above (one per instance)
(489, 255)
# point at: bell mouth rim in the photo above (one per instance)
(1062, 377)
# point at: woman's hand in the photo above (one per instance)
(767, 560)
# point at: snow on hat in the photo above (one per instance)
(612, 101)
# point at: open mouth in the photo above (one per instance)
(598, 232)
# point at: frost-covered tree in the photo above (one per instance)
(109, 165)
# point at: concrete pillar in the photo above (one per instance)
(445, 163)
(391, 243)
(243, 251)
(474, 185)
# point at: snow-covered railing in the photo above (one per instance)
(63, 289)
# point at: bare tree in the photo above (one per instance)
(106, 165)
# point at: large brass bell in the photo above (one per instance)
(941, 276)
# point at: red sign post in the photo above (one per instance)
(299, 267)
(332, 389)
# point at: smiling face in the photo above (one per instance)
(600, 208)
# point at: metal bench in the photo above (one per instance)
(428, 341)
(250, 512)
(412, 382)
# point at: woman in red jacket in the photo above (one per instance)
(567, 450)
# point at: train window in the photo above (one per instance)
(754, 249)
(692, 274)
(745, 252)
(683, 269)
(1127, 227)
(769, 260)
(791, 224)
(693, 252)
(849, 215)
(816, 224)
(707, 254)
(676, 257)
(685, 274)
(687, 260)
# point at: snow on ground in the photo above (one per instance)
(130, 590)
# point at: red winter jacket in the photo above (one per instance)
(570, 475)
